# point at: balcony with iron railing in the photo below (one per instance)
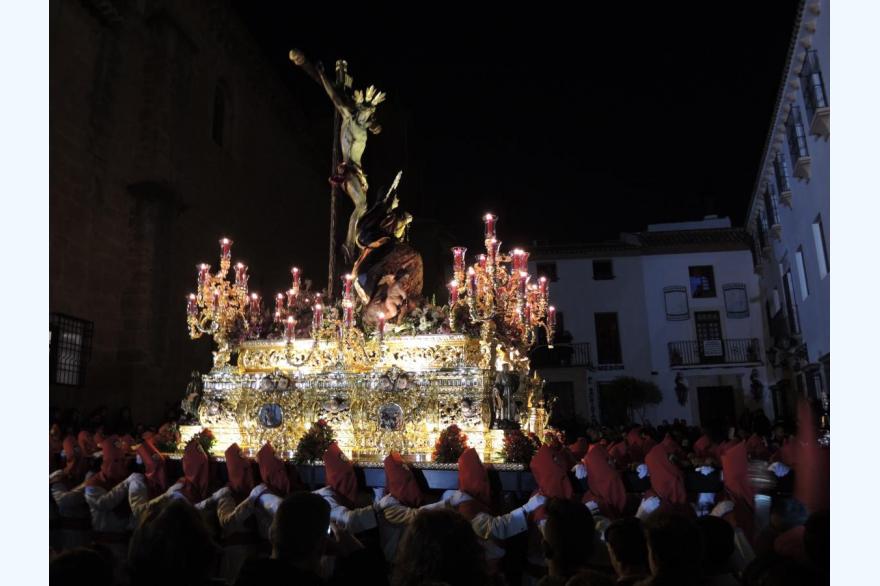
(562, 355)
(726, 351)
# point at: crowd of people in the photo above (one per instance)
(119, 516)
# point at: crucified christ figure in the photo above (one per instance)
(358, 119)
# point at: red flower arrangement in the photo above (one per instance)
(206, 439)
(450, 445)
(167, 438)
(518, 448)
(314, 442)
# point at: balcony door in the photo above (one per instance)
(709, 341)
(716, 405)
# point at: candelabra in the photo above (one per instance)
(501, 301)
(219, 306)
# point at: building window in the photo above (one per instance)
(821, 248)
(761, 231)
(676, 303)
(802, 272)
(736, 300)
(797, 137)
(794, 322)
(702, 281)
(603, 270)
(70, 347)
(780, 171)
(771, 208)
(218, 124)
(607, 339)
(812, 84)
(547, 269)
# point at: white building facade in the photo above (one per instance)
(678, 305)
(789, 220)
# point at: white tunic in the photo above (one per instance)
(102, 503)
(355, 520)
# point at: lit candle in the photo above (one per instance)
(472, 282)
(225, 248)
(381, 325)
(524, 259)
(347, 315)
(523, 281)
(255, 303)
(290, 328)
(279, 303)
(204, 273)
(542, 287)
(241, 275)
(490, 220)
(453, 292)
(494, 247)
(551, 316)
(291, 298)
(192, 307)
(458, 259)
(278, 317)
(318, 317)
(517, 259)
(481, 259)
(346, 281)
(296, 277)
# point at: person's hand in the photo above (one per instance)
(378, 493)
(456, 497)
(56, 476)
(779, 469)
(345, 541)
(257, 492)
(297, 57)
(705, 470)
(580, 471)
(388, 501)
(534, 503)
(594, 508)
(642, 471)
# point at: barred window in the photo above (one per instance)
(771, 208)
(797, 137)
(780, 170)
(812, 84)
(70, 347)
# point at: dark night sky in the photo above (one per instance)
(570, 126)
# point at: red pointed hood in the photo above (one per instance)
(551, 474)
(86, 443)
(196, 472)
(812, 465)
(272, 471)
(401, 482)
(756, 447)
(667, 479)
(240, 471)
(579, 448)
(114, 468)
(473, 480)
(606, 486)
(154, 468)
(340, 475)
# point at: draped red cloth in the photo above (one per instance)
(786, 453)
(672, 448)
(154, 468)
(401, 482)
(579, 448)
(340, 475)
(87, 444)
(551, 476)
(635, 445)
(240, 471)
(791, 544)
(812, 464)
(606, 486)
(667, 480)
(76, 465)
(114, 468)
(619, 453)
(473, 480)
(196, 472)
(735, 465)
(272, 471)
(756, 447)
(705, 448)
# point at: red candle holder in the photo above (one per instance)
(291, 298)
(318, 317)
(481, 260)
(204, 273)
(241, 277)
(346, 284)
(192, 308)
(458, 253)
(295, 273)
(551, 316)
(380, 325)
(279, 303)
(523, 282)
(215, 300)
(255, 304)
(472, 282)
(490, 220)
(542, 287)
(347, 315)
(290, 329)
(225, 248)
(453, 292)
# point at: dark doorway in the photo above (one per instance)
(716, 404)
(708, 324)
(612, 412)
(562, 414)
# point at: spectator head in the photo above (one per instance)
(299, 530)
(675, 547)
(81, 566)
(627, 550)
(172, 544)
(440, 546)
(718, 545)
(569, 537)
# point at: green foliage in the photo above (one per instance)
(630, 395)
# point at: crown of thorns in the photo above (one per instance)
(372, 96)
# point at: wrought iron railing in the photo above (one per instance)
(562, 355)
(723, 351)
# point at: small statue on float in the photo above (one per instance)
(190, 404)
